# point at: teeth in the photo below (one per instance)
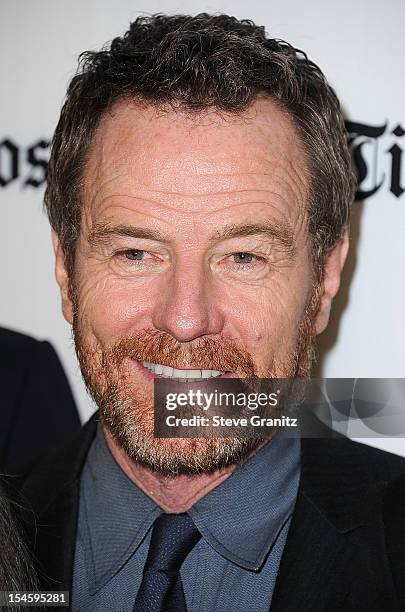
(181, 375)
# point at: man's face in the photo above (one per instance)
(193, 254)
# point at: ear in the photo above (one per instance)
(62, 279)
(333, 266)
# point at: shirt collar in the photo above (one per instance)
(241, 518)
(114, 512)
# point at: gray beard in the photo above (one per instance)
(129, 416)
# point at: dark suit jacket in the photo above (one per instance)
(37, 410)
(345, 548)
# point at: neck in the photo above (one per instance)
(173, 494)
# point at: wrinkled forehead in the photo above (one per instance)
(185, 157)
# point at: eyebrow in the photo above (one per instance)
(103, 231)
(275, 230)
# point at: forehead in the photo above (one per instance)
(191, 162)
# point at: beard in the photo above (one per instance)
(126, 409)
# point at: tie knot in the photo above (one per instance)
(173, 537)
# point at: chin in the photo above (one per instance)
(172, 457)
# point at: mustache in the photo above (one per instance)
(203, 354)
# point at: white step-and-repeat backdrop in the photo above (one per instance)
(361, 47)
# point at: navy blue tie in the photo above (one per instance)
(161, 590)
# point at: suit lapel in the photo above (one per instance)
(50, 505)
(334, 554)
(54, 540)
(312, 573)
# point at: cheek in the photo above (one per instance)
(111, 308)
(268, 318)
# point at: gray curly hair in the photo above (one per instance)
(200, 62)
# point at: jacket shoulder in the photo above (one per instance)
(18, 347)
(355, 460)
(394, 525)
(41, 481)
(12, 339)
(346, 480)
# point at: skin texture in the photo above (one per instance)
(192, 181)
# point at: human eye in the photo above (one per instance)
(245, 261)
(244, 258)
(134, 254)
(138, 260)
(242, 265)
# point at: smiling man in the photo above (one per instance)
(230, 294)
(199, 193)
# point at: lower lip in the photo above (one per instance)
(151, 376)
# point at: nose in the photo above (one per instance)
(188, 306)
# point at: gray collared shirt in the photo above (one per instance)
(243, 522)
